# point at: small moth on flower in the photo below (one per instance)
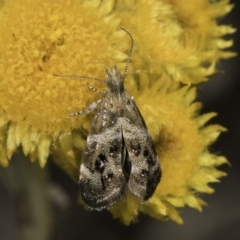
(119, 152)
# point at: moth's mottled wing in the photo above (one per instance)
(145, 171)
(102, 181)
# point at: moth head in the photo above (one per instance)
(115, 81)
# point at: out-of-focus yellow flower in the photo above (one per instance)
(182, 40)
(175, 44)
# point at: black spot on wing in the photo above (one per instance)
(100, 163)
(148, 156)
(136, 148)
(106, 179)
(114, 149)
(145, 173)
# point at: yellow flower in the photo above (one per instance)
(175, 43)
(184, 41)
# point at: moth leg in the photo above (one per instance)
(90, 108)
(96, 90)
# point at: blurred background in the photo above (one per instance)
(24, 213)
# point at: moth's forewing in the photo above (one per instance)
(102, 181)
(145, 171)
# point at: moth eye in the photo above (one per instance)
(128, 102)
(100, 163)
(106, 179)
(148, 157)
(136, 149)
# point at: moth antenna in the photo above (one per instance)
(77, 76)
(129, 54)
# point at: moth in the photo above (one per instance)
(119, 152)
